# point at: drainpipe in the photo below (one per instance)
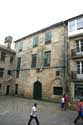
(65, 60)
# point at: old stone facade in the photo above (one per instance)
(41, 63)
(7, 64)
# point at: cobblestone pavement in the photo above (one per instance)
(16, 111)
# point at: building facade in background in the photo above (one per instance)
(7, 64)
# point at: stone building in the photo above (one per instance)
(75, 55)
(41, 57)
(47, 63)
(7, 64)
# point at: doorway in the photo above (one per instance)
(7, 89)
(37, 90)
(16, 89)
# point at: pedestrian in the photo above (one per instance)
(33, 114)
(80, 105)
(63, 103)
(67, 101)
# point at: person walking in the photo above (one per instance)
(80, 105)
(67, 101)
(62, 103)
(33, 114)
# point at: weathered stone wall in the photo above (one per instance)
(47, 76)
(7, 80)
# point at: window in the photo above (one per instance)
(19, 46)
(35, 41)
(57, 90)
(78, 90)
(57, 73)
(18, 63)
(48, 36)
(79, 45)
(80, 67)
(1, 72)
(3, 55)
(47, 56)
(9, 72)
(80, 23)
(18, 67)
(11, 59)
(34, 59)
(0, 86)
(17, 74)
(71, 26)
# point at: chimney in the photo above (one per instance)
(8, 41)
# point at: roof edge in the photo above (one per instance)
(39, 31)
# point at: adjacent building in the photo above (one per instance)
(75, 57)
(7, 65)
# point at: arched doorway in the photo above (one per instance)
(7, 89)
(37, 90)
(16, 89)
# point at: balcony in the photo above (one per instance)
(75, 76)
(76, 54)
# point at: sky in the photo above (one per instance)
(19, 18)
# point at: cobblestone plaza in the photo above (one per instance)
(16, 111)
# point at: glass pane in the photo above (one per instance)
(72, 26)
(80, 23)
(48, 36)
(47, 58)
(35, 41)
(78, 91)
(34, 57)
(57, 90)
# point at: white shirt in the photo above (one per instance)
(62, 100)
(34, 111)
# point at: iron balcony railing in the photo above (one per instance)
(76, 54)
(75, 76)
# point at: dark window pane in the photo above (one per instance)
(78, 67)
(9, 72)
(57, 73)
(18, 62)
(0, 86)
(48, 36)
(1, 72)
(57, 90)
(47, 56)
(17, 74)
(11, 59)
(3, 55)
(34, 58)
(78, 90)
